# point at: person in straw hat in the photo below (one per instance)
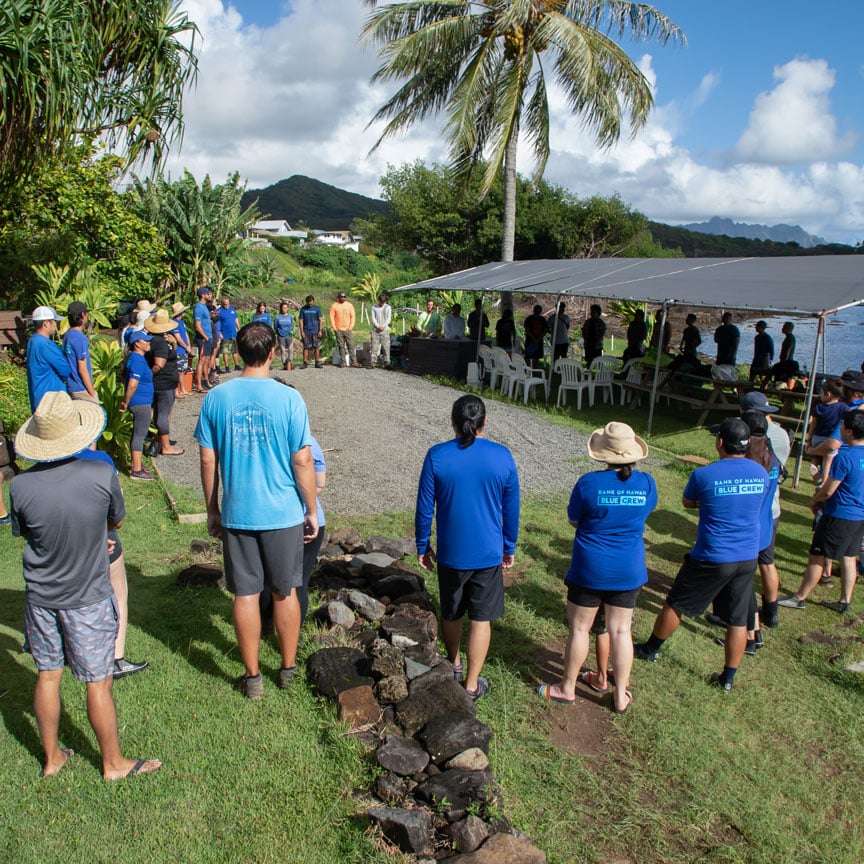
(608, 509)
(728, 494)
(64, 508)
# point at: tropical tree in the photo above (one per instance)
(485, 64)
(72, 69)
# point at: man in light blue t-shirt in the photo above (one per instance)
(729, 495)
(76, 347)
(254, 432)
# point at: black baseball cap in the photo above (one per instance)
(853, 380)
(76, 307)
(734, 433)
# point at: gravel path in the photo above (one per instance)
(375, 427)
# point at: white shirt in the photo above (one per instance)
(381, 316)
(454, 327)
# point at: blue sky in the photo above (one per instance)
(758, 119)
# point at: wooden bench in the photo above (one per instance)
(13, 330)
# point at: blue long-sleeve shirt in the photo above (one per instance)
(473, 492)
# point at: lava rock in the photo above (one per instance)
(392, 690)
(402, 756)
(358, 706)
(468, 834)
(443, 698)
(441, 672)
(458, 789)
(348, 538)
(387, 660)
(391, 789)
(333, 670)
(472, 759)
(395, 585)
(398, 548)
(410, 830)
(365, 605)
(502, 849)
(201, 576)
(448, 734)
(338, 615)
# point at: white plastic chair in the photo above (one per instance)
(502, 369)
(573, 377)
(522, 375)
(632, 375)
(602, 371)
(488, 360)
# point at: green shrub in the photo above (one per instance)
(14, 399)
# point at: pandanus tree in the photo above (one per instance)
(488, 64)
(88, 69)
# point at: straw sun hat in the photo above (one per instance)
(59, 428)
(616, 444)
(160, 322)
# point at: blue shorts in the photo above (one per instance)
(205, 346)
(82, 639)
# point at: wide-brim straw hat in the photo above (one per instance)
(160, 322)
(616, 444)
(59, 428)
(144, 306)
(177, 309)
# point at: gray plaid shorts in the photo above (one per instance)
(82, 639)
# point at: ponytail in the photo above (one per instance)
(624, 472)
(468, 417)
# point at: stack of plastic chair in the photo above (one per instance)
(573, 377)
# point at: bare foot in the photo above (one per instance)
(52, 768)
(133, 767)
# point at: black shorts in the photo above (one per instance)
(766, 555)
(836, 538)
(311, 340)
(699, 582)
(480, 593)
(254, 559)
(591, 598)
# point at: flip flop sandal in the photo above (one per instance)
(590, 679)
(626, 708)
(458, 673)
(544, 691)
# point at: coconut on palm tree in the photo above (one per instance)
(486, 64)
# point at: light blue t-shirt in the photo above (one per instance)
(320, 468)
(47, 368)
(847, 502)
(609, 549)
(76, 347)
(284, 324)
(255, 425)
(730, 493)
(202, 317)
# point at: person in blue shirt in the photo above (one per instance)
(227, 315)
(203, 339)
(47, 367)
(311, 317)
(471, 487)
(840, 530)
(284, 326)
(608, 509)
(76, 347)
(253, 435)
(181, 335)
(262, 316)
(138, 399)
(729, 495)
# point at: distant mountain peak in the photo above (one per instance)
(778, 233)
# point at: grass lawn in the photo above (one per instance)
(768, 773)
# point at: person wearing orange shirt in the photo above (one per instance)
(342, 322)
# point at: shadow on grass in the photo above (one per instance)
(18, 675)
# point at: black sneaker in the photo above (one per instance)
(305, 365)
(124, 667)
(749, 648)
(641, 651)
(319, 365)
(841, 607)
(717, 680)
(769, 619)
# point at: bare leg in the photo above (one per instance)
(619, 622)
(136, 460)
(579, 621)
(286, 619)
(848, 578)
(770, 582)
(476, 649)
(117, 575)
(451, 633)
(667, 622)
(247, 626)
(46, 706)
(812, 573)
(601, 650)
(736, 641)
(103, 718)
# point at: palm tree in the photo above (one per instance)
(484, 62)
(72, 69)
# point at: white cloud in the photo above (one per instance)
(295, 98)
(793, 124)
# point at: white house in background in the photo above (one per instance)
(266, 228)
(342, 239)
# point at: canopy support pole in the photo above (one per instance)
(811, 387)
(656, 371)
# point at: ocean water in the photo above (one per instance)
(844, 339)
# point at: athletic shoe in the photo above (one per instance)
(6, 520)
(480, 692)
(717, 680)
(769, 619)
(305, 365)
(319, 365)
(286, 676)
(252, 687)
(641, 651)
(792, 602)
(143, 474)
(841, 607)
(124, 667)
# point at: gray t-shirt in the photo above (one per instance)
(63, 509)
(782, 448)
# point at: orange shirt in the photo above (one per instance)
(342, 316)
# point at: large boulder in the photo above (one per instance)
(448, 734)
(411, 621)
(333, 670)
(402, 756)
(443, 698)
(442, 672)
(410, 830)
(395, 585)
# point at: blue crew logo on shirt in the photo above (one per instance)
(619, 498)
(738, 486)
(250, 423)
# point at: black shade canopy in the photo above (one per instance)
(808, 285)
